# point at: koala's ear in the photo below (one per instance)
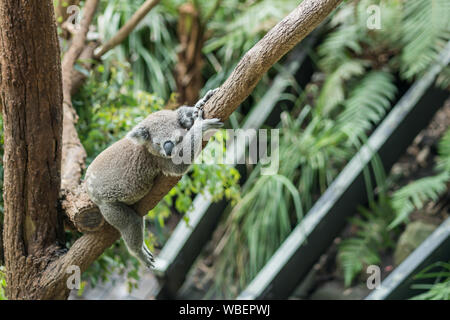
(140, 135)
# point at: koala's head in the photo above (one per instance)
(160, 132)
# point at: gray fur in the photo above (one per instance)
(124, 173)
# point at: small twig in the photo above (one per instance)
(127, 28)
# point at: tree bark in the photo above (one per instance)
(2, 257)
(31, 93)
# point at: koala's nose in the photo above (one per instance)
(168, 147)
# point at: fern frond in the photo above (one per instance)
(426, 29)
(414, 196)
(363, 249)
(444, 152)
(353, 255)
(333, 91)
(367, 104)
(334, 49)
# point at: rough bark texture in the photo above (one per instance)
(2, 257)
(31, 93)
(277, 42)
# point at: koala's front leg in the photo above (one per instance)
(131, 227)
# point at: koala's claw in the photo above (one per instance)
(148, 253)
(147, 257)
(208, 95)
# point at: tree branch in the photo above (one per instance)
(73, 153)
(277, 42)
(127, 28)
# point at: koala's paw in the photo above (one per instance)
(188, 115)
(208, 124)
(207, 96)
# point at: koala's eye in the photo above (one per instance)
(179, 139)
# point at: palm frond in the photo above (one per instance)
(150, 49)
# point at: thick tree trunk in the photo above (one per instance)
(31, 93)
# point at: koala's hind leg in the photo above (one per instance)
(131, 227)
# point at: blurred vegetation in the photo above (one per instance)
(414, 195)
(351, 92)
(150, 50)
(378, 224)
(440, 289)
(2, 283)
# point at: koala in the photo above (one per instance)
(123, 173)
